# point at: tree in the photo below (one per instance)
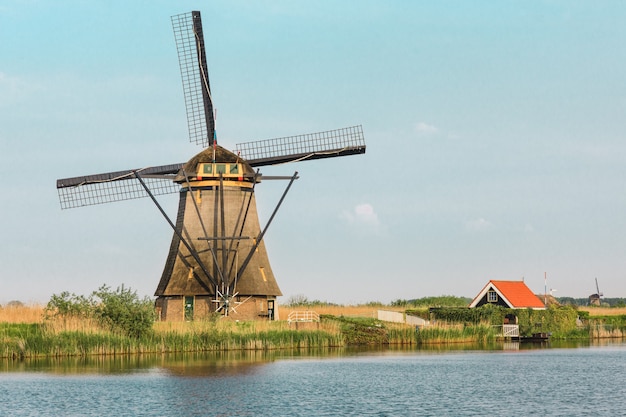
(15, 303)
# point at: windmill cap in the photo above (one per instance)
(206, 157)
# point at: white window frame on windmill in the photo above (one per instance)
(492, 296)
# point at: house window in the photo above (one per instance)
(492, 297)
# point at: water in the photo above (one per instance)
(589, 380)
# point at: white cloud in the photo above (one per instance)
(363, 214)
(426, 129)
(478, 225)
(15, 90)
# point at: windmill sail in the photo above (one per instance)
(329, 144)
(195, 76)
(114, 186)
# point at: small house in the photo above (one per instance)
(509, 294)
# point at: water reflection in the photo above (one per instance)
(230, 363)
(459, 379)
(176, 364)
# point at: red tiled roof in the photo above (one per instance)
(518, 294)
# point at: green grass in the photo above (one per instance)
(455, 334)
(60, 339)
(36, 340)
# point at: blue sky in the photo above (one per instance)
(495, 135)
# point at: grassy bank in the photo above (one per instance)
(25, 333)
(60, 338)
(55, 339)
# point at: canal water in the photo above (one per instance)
(502, 380)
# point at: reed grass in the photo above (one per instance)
(403, 335)
(459, 333)
(74, 337)
(603, 311)
(335, 310)
(253, 335)
(22, 314)
(25, 333)
(600, 331)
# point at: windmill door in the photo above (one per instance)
(189, 301)
(270, 309)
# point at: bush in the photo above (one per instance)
(553, 319)
(440, 301)
(69, 305)
(301, 301)
(120, 311)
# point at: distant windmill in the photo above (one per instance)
(217, 260)
(595, 299)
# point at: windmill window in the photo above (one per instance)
(492, 297)
(208, 168)
(234, 169)
(220, 169)
(263, 273)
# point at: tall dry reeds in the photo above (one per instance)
(336, 310)
(22, 314)
(603, 311)
(73, 324)
(253, 335)
(25, 333)
(606, 332)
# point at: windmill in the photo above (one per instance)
(217, 260)
(596, 299)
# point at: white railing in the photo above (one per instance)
(510, 330)
(303, 316)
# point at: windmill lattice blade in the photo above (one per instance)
(195, 76)
(329, 144)
(116, 186)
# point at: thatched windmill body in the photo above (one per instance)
(217, 262)
(596, 299)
